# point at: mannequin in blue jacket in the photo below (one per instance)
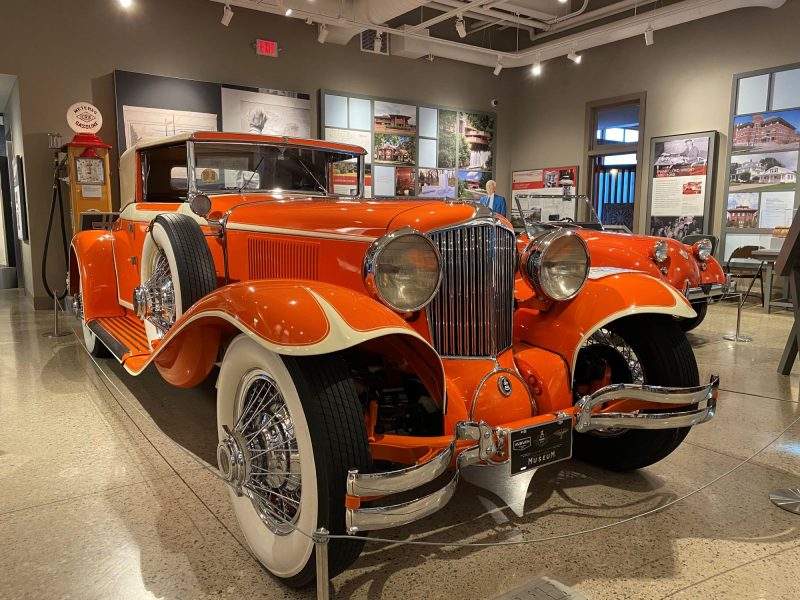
(494, 201)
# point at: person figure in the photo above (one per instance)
(690, 151)
(495, 202)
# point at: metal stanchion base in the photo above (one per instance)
(55, 334)
(732, 337)
(787, 499)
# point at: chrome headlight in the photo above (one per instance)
(660, 251)
(403, 270)
(556, 264)
(702, 249)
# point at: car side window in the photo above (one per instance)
(164, 174)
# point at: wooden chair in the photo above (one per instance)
(746, 271)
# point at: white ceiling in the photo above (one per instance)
(6, 85)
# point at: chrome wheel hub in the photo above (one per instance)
(77, 305)
(154, 300)
(259, 457)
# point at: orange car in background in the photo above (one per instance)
(366, 347)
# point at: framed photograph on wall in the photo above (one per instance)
(681, 184)
(20, 202)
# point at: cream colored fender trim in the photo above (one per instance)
(340, 337)
(681, 309)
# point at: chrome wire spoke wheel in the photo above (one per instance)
(624, 354)
(259, 457)
(159, 292)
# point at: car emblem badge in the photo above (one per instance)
(542, 439)
(522, 444)
(505, 386)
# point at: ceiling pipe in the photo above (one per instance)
(660, 18)
(569, 15)
(481, 13)
(447, 15)
(522, 10)
(593, 15)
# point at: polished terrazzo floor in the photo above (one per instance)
(105, 493)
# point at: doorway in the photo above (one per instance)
(613, 158)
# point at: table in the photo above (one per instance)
(769, 257)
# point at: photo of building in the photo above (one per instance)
(767, 172)
(394, 149)
(395, 118)
(771, 131)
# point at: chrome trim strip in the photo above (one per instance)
(716, 290)
(705, 396)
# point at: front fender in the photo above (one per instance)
(296, 319)
(606, 297)
(91, 265)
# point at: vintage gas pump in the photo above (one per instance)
(87, 164)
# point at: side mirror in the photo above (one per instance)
(200, 205)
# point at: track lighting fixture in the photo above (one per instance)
(322, 33)
(536, 69)
(461, 27)
(126, 3)
(648, 36)
(574, 57)
(227, 15)
(497, 68)
(288, 12)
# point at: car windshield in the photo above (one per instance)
(534, 212)
(226, 167)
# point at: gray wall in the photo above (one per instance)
(687, 75)
(184, 38)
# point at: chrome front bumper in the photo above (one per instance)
(490, 446)
(711, 291)
(704, 397)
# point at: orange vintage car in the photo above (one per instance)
(691, 269)
(367, 347)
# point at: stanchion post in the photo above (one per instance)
(55, 333)
(737, 337)
(321, 538)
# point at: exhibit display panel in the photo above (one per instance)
(681, 184)
(414, 150)
(149, 106)
(764, 141)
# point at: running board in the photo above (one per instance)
(123, 336)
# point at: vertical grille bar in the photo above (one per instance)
(472, 314)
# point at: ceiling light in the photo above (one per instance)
(576, 58)
(497, 68)
(461, 27)
(378, 46)
(126, 3)
(563, 1)
(227, 15)
(536, 69)
(288, 12)
(322, 34)
(648, 36)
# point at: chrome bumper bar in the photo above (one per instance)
(703, 396)
(490, 445)
(712, 291)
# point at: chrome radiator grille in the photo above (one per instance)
(472, 313)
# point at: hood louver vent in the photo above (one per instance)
(279, 259)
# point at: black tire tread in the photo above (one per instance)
(668, 360)
(336, 422)
(701, 308)
(196, 274)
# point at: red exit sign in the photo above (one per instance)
(267, 48)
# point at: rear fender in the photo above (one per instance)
(294, 319)
(91, 266)
(567, 325)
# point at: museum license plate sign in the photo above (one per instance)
(535, 447)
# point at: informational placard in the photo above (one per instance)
(528, 186)
(680, 185)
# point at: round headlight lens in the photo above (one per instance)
(403, 270)
(556, 264)
(660, 251)
(702, 249)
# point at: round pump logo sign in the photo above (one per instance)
(84, 118)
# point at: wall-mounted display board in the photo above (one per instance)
(528, 186)
(681, 184)
(764, 142)
(413, 150)
(155, 106)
